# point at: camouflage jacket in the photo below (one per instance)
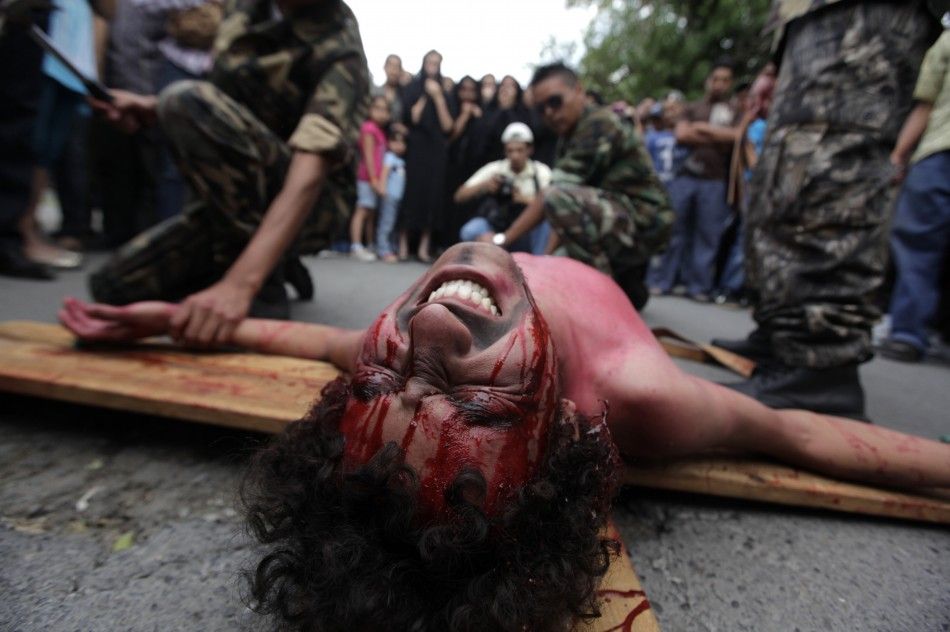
(304, 75)
(607, 153)
(784, 11)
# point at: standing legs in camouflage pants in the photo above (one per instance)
(235, 166)
(817, 237)
(608, 232)
(821, 197)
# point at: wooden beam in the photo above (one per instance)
(623, 602)
(263, 393)
(772, 483)
(240, 390)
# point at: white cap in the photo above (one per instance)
(517, 132)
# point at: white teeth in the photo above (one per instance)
(467, 291)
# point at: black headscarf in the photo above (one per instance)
(417, 86)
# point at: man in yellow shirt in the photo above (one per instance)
(921, 231)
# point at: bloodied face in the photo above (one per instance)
(460, 372)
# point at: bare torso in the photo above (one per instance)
(607, 354)
(607, 358)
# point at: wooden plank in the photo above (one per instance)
(240, 390)
(773, 483)
(262, 393)
(623, 603)
(679, 346)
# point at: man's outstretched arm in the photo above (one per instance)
(95, 322)
(689, 415)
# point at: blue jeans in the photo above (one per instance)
(534, 242)
(702, 216)
(733, 273)
(388, 211)
(920, 239)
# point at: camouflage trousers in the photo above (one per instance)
(817, 227)
(604, 230)
(235, 166)
(820, 199)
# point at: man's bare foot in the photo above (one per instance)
(95, 322)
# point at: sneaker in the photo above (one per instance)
(700, 297)
(361, 252)
(900, 351)
(831, 391)
(756, 346)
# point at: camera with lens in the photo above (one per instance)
(505, 189)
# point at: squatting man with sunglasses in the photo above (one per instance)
(458, 474)
(605, 204)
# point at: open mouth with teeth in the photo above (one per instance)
(466, 291)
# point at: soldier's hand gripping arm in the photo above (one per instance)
(210, 316)
(324, 139)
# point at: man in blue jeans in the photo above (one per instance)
(506, 186)
(921, 231)
(698, 191)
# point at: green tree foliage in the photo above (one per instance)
(639, 48)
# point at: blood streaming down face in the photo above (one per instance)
(454, 385)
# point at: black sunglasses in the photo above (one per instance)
(553, 102)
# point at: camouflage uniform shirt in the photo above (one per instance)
(304, 75)
(606, 153)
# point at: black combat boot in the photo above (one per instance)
(296, 273)
(272, 301)
(756, 346)
(831, 391)
(632, 281)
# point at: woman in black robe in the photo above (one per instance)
(467, 111)
(506, 108)
(426, 114)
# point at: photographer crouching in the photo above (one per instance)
(506, 187)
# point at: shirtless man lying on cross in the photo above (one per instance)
(458, 475)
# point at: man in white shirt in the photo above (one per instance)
(507, 186)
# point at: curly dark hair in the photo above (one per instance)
(345, 551)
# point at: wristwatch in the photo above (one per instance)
(499, 239)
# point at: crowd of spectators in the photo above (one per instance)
(451, 129)
(441, 159)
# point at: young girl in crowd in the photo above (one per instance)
(370, 185)
(394, 179)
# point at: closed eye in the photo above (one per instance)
(371, 381)
(484, 408)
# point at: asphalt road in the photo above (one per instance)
(114, 521)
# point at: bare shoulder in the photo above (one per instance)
(606, 351)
